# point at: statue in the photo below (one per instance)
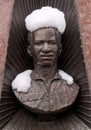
(45, 89)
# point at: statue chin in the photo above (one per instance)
(46, 63)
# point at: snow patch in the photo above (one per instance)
(66, 77)
(46, 17)
(22, 81)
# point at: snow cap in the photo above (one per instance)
(46, 17)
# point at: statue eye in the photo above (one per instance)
(52, 42)
(38, 43)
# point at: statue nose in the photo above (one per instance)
(46, 47)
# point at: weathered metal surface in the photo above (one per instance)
(72, 62)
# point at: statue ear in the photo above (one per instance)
(60, 49)
(29, 50)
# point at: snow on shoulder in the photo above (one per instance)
(22, 81)
(46, 17)
(66, 77)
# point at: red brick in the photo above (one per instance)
(5, 20)
(84, 16)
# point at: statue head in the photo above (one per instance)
(45, 27)
(44, 46)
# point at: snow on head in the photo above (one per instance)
(22, 81)
(46, 17)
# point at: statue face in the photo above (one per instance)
(45, 47)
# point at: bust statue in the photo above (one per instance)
(49, 90)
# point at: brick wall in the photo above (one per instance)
(5, 20)
(84, 15)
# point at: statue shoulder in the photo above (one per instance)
(68, 78)
(22, 81)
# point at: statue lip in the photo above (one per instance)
(46, 55)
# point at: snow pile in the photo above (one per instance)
(46, 17)
(22, 82)
(66, 77)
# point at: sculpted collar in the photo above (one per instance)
(36, 76)
(22, 81)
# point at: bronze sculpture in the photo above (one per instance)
(48, 92)
(71, 61)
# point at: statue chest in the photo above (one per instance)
(48, 98)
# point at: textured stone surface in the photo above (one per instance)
(84, 13)
(5, 19)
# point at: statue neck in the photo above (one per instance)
(47, 72)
